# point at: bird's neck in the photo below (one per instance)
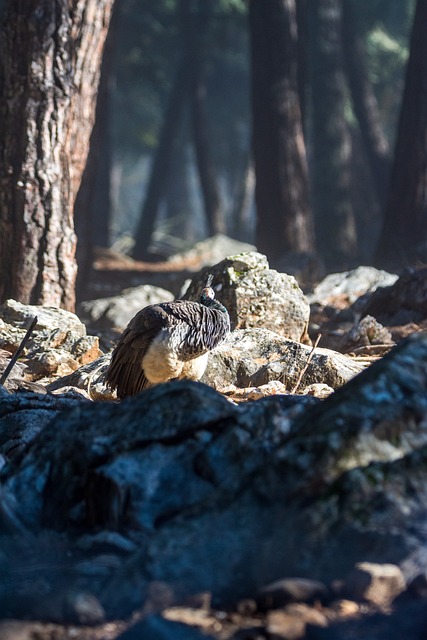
(211, 303)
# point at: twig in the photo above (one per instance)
(18, 352)
(304, 369)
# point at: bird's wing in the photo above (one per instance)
(125, 373)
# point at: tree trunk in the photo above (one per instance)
(283, 212)
(404, 235)
(207, 174)
(161, 163)
(195, 17)
(50, 59)
(92, 210)
(335, 227)
(241, 218)
(365, 103)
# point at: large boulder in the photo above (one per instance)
(256, 296)
(253, 357)
(207, 496)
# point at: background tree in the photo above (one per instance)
(282, 193)
(50, 59)
(404, 234)
(331, 179)
(364, 101)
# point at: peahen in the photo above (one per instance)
(167, 341)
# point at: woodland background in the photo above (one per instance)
(299, 126)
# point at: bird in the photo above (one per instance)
(167, 341)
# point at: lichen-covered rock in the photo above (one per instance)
(254, 357)
(58, 343)
(256, 296)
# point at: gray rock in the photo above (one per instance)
(403, 302)
(254, 357)
(256, 296)
(286, 590)
(379, 584)
(116, 311)
(226, 498)
(352, 284)
(212, 250)
(58, 343)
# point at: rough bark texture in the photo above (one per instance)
(283, 212)
(403, 238)
(335, 229)
(92, 210)
(50, 59)
(365, 103)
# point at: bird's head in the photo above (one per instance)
(207, 292)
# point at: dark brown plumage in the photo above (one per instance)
(167, 341)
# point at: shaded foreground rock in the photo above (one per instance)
(211, 496)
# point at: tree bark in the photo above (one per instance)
(282, 193)
(365, 103)
(404, 234)
(335, 227)
(92, 209)
(50, 59)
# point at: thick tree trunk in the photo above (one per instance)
(282, 193)
(50, 59)
(92, 210)
(335, 227)
(365, 103)
(404, 235)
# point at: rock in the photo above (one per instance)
(366, 332)
(255, 357)
(116, 311)
(222, 498)
(23, 415)
(401, 303)
(212, 250)
(292, 623)
(286, 590)
(350, 284)
(89, 378)
(407, 621)
(257, 360)
(157, 628)
(58, 344)
(375, 583)
(256, 296)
